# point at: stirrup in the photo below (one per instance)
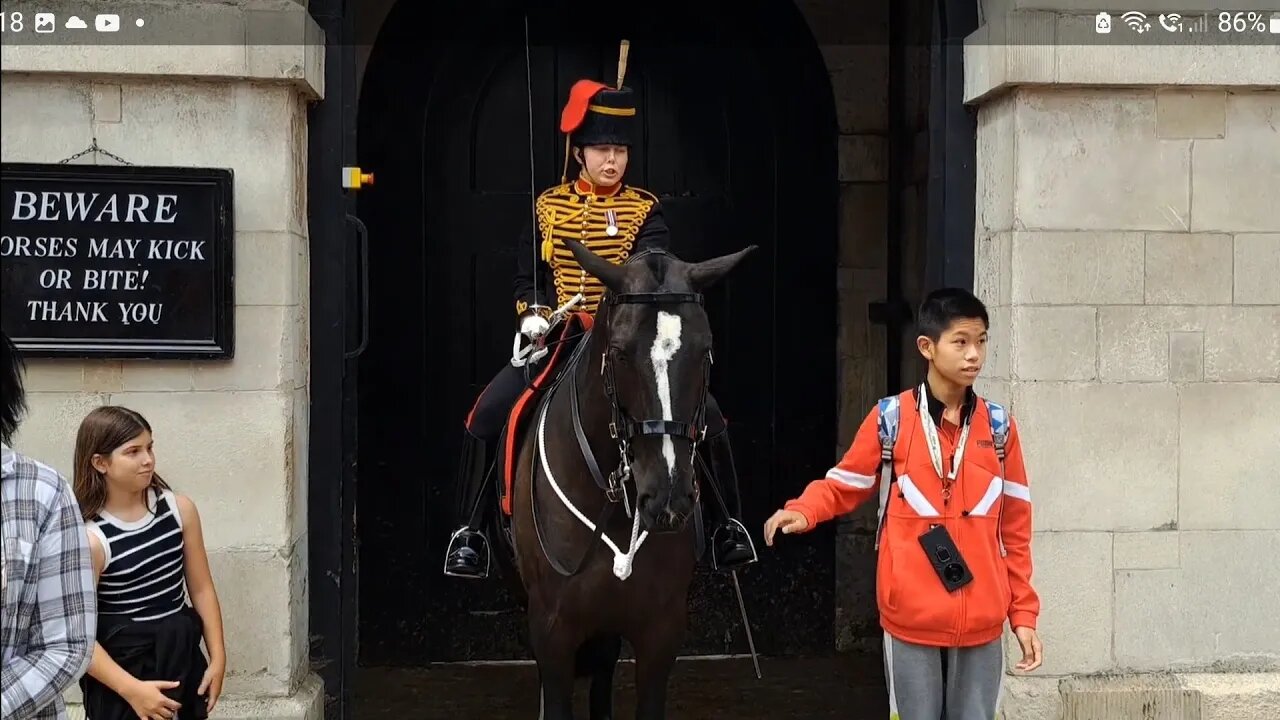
(755, 556)
(488, 557)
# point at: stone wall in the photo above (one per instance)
(230, 434)
(1129, 246)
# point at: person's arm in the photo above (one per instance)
(141, 696)
(1015, 526)
(204, 597)
(64, 618)
(530, 281)
(654, 232)
(847, 485)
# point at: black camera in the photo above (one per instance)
(945, 558)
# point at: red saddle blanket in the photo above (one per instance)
(571, 333)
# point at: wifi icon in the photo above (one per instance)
(1136, 21)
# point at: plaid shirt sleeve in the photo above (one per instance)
(64, 620)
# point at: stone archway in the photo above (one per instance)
(738, 147)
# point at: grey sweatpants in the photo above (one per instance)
(926, 682)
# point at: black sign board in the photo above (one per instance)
(117, 261)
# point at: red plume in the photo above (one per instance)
(576, 109)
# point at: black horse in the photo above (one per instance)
(605, 485)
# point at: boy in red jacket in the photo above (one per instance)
(955, 535)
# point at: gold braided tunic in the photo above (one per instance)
(571, 210)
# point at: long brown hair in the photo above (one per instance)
(102, 431)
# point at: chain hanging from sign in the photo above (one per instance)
(94, 148)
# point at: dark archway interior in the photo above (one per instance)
(739, 142)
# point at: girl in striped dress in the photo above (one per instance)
(149, 561)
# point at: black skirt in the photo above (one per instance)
(164, 649)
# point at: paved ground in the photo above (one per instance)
(814, 689)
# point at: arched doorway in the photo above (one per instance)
(739, 142)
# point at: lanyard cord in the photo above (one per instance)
(935, 446)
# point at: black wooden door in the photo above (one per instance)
(713, 150)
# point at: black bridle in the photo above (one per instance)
(622, 427)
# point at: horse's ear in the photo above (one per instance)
(709, 272)
(598, 267)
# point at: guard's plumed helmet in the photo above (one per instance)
(597, 114)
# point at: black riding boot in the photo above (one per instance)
(731, 545)
(468, 553)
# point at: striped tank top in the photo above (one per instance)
(144, 575)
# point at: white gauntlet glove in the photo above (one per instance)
(534, 326)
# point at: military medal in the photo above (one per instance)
(612, 228)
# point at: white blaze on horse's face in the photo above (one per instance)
(665, 344)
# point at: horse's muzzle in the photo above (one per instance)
(659, 517)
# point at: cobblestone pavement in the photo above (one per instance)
(848, 688)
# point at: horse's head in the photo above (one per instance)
(656, 342)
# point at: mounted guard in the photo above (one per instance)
(615, 221)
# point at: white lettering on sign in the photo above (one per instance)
(61, 311)
(52, 206)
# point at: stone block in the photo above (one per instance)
(48, 432)
(857, 619)
(1112, 145)
(1000, 345)
(1186, 356)
(1170, 256)
(1114, 470)
(1242, 343)
(1055, 343)
(1030, 698)
(1206, 614)
(863, 158)
(264, 352)
(995, 157)
(305, 703)
(864, 214)
(992, 271)
(859, 81)
(235, 468)
(67, 375)
(1228, 455)
(1077, 268)
(250, 129)
(1233, 185)
(862, 383)
(149, 375)
(1257, 270)
(1177, 60)
(267, 268)
(1072, 574)
(272, 41)
(858, 288)
(44, 119)
(296, 474)
(254, 589)
(1146, 550)
(106, 102)
(1151, 697)
(1182, 114)
(1236, 696)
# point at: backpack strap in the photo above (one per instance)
(888, 431)
(999, 435)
